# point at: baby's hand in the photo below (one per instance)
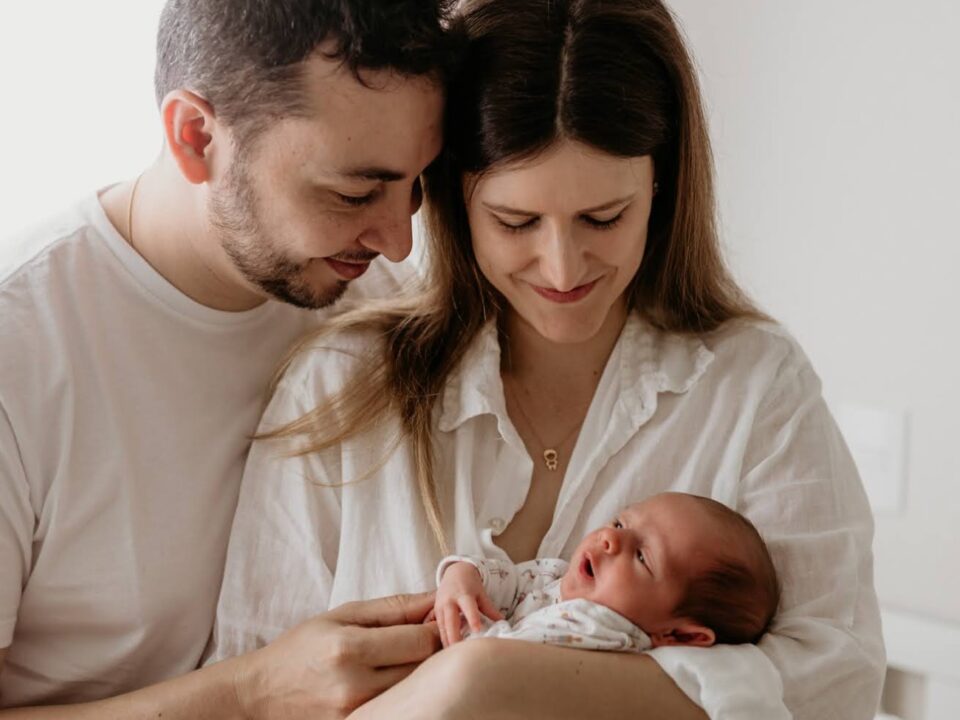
(461, 591)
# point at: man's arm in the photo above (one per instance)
(321, 670)
(493, 679)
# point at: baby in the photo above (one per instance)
(675, 569)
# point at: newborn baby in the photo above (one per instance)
(675, 569)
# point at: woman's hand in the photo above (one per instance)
(461, 592)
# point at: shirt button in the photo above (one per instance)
(497, 524)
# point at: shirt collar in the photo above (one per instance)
(650, 362)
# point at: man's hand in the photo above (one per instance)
(330, 665)
(461, 592)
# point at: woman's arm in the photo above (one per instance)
(799, 486)
(494, 679)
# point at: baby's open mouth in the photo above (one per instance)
(587, 567)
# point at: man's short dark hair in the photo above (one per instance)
(245, 56)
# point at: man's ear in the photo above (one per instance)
(188, 124)
(686, 633)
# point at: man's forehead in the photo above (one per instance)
(383, 132)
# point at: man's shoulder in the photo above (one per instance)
(31, 250)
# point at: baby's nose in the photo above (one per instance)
(610, 541)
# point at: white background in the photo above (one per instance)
(76, 101)
(837, 133)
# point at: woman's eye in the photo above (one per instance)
(509, 227)
(640, 557)
(599, 224)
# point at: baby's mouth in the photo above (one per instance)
(586, 567)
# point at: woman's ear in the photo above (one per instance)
(686, 633)
(188, 124)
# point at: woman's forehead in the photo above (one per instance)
(565, 178)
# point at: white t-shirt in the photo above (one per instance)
(125, 415)
(736, 416)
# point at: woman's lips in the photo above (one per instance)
(347, 270)
(570, 296)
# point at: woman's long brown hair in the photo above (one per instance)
(611, 74)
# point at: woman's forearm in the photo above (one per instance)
(493, 679)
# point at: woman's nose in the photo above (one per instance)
(560, 260)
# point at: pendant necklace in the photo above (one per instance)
(551, 458)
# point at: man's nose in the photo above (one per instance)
(561, 262)
(392, 232)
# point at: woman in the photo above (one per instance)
(581, 346)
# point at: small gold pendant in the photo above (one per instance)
(550, 457)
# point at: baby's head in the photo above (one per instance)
(686, 570)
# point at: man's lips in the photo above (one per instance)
(569, 296)
(348, 270)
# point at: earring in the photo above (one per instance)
(656, 187)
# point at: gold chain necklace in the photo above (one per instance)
(551, 457)
(133, 195)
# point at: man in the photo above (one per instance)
(139, 331)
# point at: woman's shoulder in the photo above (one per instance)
(325, 360)
(761, 354)
(749, 342)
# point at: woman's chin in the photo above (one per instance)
(568, 331)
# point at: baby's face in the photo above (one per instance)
(639, 564)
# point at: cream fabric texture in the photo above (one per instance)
(736, 415)
(125, 415)
(529, 598)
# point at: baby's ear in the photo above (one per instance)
(686, 633)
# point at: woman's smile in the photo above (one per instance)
(564, 297)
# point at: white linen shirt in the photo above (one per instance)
(736, 415)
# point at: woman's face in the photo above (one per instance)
(562, 236)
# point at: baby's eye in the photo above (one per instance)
(640, 557)
(617, 524)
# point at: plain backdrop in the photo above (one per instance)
(835, 125)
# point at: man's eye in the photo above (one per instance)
(355, 200)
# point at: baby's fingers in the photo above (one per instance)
(451, 623)
(468, 605)
(488, 608)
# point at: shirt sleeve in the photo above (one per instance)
(16, 530)
(500, 580)
(801, 489)
(282, 553)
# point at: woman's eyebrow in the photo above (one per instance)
(506, 210)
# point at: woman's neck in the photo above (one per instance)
(539, 364)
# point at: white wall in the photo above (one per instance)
(76, 101)
(837, 132)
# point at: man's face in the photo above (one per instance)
(305, 210)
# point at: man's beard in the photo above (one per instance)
(234, 213)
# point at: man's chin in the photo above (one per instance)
(303, 295)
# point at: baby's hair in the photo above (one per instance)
(738, 594)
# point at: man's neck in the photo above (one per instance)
(169, 229)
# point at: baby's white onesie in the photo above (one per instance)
(528, 596)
